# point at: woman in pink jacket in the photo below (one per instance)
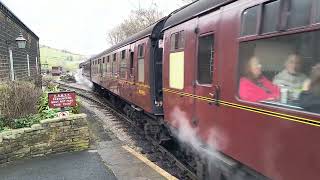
(254, 87)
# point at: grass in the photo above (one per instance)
(55, 57)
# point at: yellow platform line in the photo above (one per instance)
(149, 163)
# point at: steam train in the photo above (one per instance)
(184, 72)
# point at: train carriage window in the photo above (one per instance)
(282, 71)
(131, 63)
(176, 70)
(108, 64)
(177, 41)
(317, 11)
(205, 59)
(140, 50)
(141, 63)
(300, 13)
(123, 65)
(114, 64)
(141, 70)
(249, 21)
(271, 16)
(123, 54)
(98, 67)
(103, 66)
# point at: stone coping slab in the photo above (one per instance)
(54, 135)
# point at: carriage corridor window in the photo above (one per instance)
(131, 62)
(317, 7)
(114, 64)
(205, 59)
(104, 66)
(141, 63)
(123, 65)
(271, 16)
(300, 12)
(98, 67)
(140, 51)
(282, 71)
(108, 64)
(123, 54)
(177, 41)
(249, 21)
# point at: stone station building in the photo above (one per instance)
(17, 63)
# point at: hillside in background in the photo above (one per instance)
(56, 57)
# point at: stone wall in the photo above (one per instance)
(50, 136)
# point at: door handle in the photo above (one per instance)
(216, 95)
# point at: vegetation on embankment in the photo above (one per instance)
(56, 57)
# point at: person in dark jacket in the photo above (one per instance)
(310, 97)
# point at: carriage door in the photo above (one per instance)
(100, 70)
(206, 87)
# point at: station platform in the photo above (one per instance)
(124, 162)
(127, 164)
(67, 166)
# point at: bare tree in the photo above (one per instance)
(116, 35)
(188, 1)
(138, 20)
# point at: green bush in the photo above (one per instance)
(18, 99)
(68, 78)
(47, 80)
(2, 125)
(27, 121)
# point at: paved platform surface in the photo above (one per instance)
(68, 166)
(124, 162)
(127, 164)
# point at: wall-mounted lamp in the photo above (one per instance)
(20, 40)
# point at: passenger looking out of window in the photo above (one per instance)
(254, 86)
(291, 79)
(310, 97)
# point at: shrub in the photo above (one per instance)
(47, 81)
(2, 124)
(18, 99)
(36, 79)
(68, 78)
(27, 121)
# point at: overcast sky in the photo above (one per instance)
(79, 26)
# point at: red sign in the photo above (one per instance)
(62, 99)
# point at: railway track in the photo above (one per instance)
(185, 171)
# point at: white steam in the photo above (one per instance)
(187, 134)
(82, 80)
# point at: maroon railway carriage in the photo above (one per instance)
(131, 70)
(205, 48)
(56, 70)
(194, 62)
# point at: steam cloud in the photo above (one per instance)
(216, 140)
(82, 80)
(187, 134)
